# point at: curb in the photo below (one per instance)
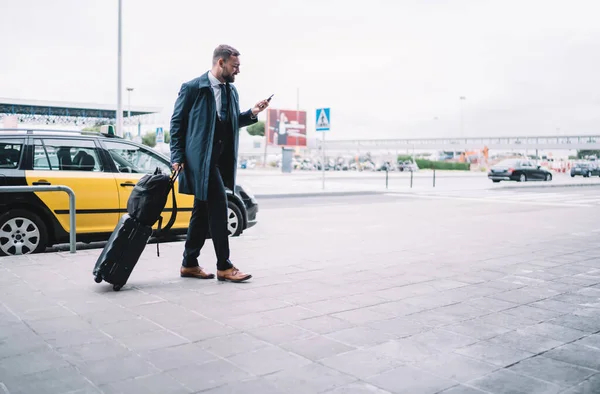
(551, 185)
(319, 194)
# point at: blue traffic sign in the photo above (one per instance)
(323, 119)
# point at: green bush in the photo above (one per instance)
(442, 165)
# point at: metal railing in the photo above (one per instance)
(58, 188)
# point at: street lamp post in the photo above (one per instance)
(119, 125)
(462, 131)
(129, 90)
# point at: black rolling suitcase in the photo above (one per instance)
(122, 252)
(127, 242)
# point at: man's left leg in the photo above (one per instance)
(217, 212)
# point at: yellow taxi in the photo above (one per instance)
(101, 170)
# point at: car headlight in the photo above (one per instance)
(246, 190)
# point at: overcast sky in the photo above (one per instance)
(387, 68)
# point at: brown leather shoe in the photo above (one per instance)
(195, 272)
(232, 275)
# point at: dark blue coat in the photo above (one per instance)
(192, 132)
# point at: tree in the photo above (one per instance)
(583, 153)
(149, 139)
(257, 128)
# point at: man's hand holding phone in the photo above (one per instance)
(261, 106)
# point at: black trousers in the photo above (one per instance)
(210, 214)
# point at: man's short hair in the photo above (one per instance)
(224, 52)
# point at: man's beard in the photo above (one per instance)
(229, 78)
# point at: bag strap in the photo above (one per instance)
(160, 231)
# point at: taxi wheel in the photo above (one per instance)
(235, 220)
(22, 232)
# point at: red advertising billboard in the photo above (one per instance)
(286, 127)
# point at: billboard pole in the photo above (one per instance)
(267, 123)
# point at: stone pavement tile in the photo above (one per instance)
(460, 389)
(73, 338)
(152, 384)
(554, 331)
(364, 299)
(140, 342)
(477, 329)
(106, 349)
(132, 297)
(525, 295)
(504, 285)
(280, 333)
(51, 312)
(61, 324)
(576, 354)
(589, 386)
(357, 388)
(505, 381)
(205, 329)
(443, 340)
(396, 308)
(21, 342)
(312, 378)
(533, 313)
(404, 350)
(360, 336)
(553, 305)
(316, 347)
(409, 380)
(289, 314)
(110, 370)
(435, 317)
(51, 381)
(230, 345)
(491, 353)
(168, 315)
(323, 324)
(490, 304)
(236, 322)
(330, 306)
(553, 371)
(34, 361)
(587, 324)
(592, 341)
(526, 341)
(174, 357)
(268, 360)
(455, 367)
(361, 363)
(208, 375)
(506, 320)
(578, 299)
(399, 327)
(110, 314)
(252, 385)
(402, 292)
(136, 325)
(429, 301)
(360, 316)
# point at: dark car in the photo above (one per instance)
(520, 170)
(585, 169)
(102, 171)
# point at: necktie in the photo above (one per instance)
(223, 113)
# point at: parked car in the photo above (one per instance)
(520, 170)
(101, 170)
(585, 169)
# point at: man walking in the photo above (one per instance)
(204, 145)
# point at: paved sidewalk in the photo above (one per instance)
(378, 311)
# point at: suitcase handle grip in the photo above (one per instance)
(128, 184)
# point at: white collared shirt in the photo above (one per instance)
(214, 83)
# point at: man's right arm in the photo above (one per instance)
(179, 122)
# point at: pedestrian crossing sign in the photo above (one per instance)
(323, 119)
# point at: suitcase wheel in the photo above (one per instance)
(117, 287)
(98, 279)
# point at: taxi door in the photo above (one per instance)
(75, 163)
